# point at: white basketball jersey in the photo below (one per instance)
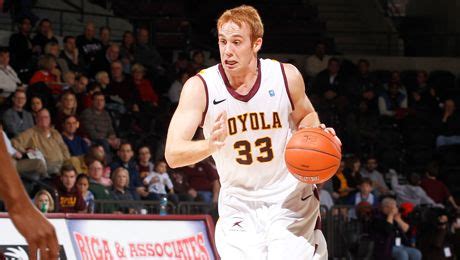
(251, 164)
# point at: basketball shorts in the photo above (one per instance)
(289, 229)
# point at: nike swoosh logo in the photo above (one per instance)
(217, 102)
(305, 198)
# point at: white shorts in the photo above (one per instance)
(257, 230)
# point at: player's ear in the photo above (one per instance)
(257, 44)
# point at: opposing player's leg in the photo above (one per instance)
(238, 234)
(295, 227)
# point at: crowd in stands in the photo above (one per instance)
(88, 117)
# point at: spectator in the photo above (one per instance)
(8, 77)
(76, 144)
(20, 46)
(371, 172)
(364, 193)
(72, 57)
(434, 242)
(436, 189)
(411, 192)
(182, 187)
(48, 74)
(125, 160)
(96, 152)
(83, 188)
(352, 172)
(69, 78)
(45, 140)
(340, 185)
(103, 79)
(127, 51)
(104, 36)
(120, 191)
(101, 192)
(389, 231)
(104, 59)
(176, 87)
(145, 53)
(449, 133)
(144, 164)
(36, 104)
(52, 48)
(203, 180)
(392, 102)
(31, 168)
(367, 87)
(67, 106)
(328, 83)
(97, 124)
(121, 85)
(44, 201)
(317, 62)
(144, 86)
(325, 197)
(44, 35)
(16, 118)
(156, 182)
(87, 44)
(421, 81)
(70, 200)
(80, 91)
(197, 62)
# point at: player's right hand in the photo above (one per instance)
(219, 132)
(38, 232)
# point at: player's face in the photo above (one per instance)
(236, 48)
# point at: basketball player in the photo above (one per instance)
(248, 108)
(37, 231)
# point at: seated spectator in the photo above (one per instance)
(411, 192)
(371, 172)
(80, 91)
(31, 168)
(76, 144)
(98, 171)
(102, 77)
(101, 192)
(44, 35)
(340, 185)
(36, 104)
(182, 187)
(144, 86)
(328, 83)
(44, 139)
(392, 102)
(421, 81)
(97, 124)
(176, 87)
(145, 53)
(203, 180)
(126, 160)
(20, 46)
(435, 240)
(52, 49)
(127, 51)
(364, 194)
(8, 77)
(48, 74)
(70, 200)
(389, 232)
(352, 172)
(120, 191)
(395, 78)
(436, 189)
(69, 78)
(104, 36)
(317, 62)
(16, 118)
(121, 85)
(325, 197)
(44, 201)
(105, 58)
(367, 88)
(67, 106)
(87, 44)
(71, 56)
(97, 152)
(449, 132)
(83, 188)
(197, 63)
(144, 164)
(157, 181)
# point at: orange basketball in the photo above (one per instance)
(313, 155)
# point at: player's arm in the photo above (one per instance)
(304, 114)
(37, 231)
(180, 149)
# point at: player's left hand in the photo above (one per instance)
(331, 131)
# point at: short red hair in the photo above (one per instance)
(244, 14)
